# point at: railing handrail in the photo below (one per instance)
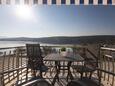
(9, 71)
(11, 47)
(107, 48)
(46, 46)
(105, 71)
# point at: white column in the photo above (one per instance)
(3, 2)
(49, 2)
(104, 2)
(67, 2)
(95, 2)
(77, 2)
(40, 2)
(31, 2)
(113, 2)
(21, 2)
(58, 2)
(12, 2)
(86, 2)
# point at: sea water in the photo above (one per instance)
(6, 44)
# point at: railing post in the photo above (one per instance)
(9, 65)
(17, 62)
(1, 80)
(100, 56)
(3, 67)
(113, 63)
(84, 52)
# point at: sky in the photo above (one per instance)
(47, 21)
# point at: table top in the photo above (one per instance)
(63, 57)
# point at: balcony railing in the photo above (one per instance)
(13, 62)
(107, 65)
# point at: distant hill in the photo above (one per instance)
(109, 39)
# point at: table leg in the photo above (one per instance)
(69, 72)
(56, 77)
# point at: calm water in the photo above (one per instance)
(5, 44)
(22, 43)
(12, 43)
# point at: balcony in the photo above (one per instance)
(13, 66)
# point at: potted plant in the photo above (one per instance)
(63, 51)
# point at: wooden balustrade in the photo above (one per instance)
(11, 59)
(107, 65)
(14, 60)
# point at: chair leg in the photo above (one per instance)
(27, 73)
(81, 75)
(90, 75)
(86, 74)
(33, 73)
(41, 74)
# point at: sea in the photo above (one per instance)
(5, 44)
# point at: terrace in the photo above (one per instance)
(14, 70)
(13, 64)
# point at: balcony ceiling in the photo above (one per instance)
(57, 2)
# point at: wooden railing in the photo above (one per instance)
(13, 62)
(105, 61)
(107, 65)
(11, 59)
(13, 75)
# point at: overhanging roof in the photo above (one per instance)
(57, 2)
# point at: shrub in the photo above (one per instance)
(63, 49)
